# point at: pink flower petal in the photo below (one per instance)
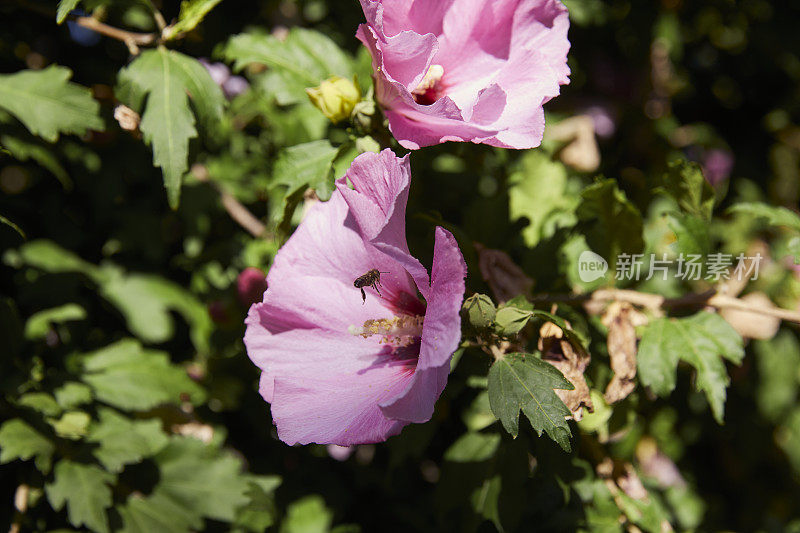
(502, 60)
(379, 196)
(339, 370)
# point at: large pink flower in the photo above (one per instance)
(338, 370)
(466, 70)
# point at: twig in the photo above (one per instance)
(131, 39)
(238, 212)
(657, 302)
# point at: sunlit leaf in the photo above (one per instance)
(524, 382)
(64, 8)
(18, 440)
(473, 447)
(191, 14)
(165, 79)
(699, 340)
(611, 223)
(40, 323)
(123, 441)
(305, 55)
(47, 103)
(84, 488)
(200, 479)
(307, 515)
(685, 183)
(127, 376)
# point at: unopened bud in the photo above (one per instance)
(480, 311)
(335, 97)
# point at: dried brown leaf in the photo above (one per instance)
(572, 362)
(753, 325)
(504, 277)
(581, 151)
(619, 319)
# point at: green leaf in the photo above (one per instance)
(126, 376)
(166, 79)
(146, 302)
(658, 356)
(307, 515)
(298, 168)
(73, 394)
(699, 340)
(72, 425)
(473, 447)
(85, 490)
(515, 314)
(50, 257)
(525, 382)
(538, 191)
(685, 183)
(261, 511)
(305, 55)
(191, 14)
(774, 215)
(47, 103)
(40, 323)
(479, 414)
(692, 234)
(123, 441)
(157, 513)
(480, 311)
(23, 150)
(778, 363)
(41, 402)
(64, 8)
(611, 223)
(7, 222)
(18, 440)
(200, 479)
(788, 438)
(511, 320)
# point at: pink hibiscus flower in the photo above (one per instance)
(339, 370)
(466, 70)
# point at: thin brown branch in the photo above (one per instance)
(238, 212)
(656, 302)
(241, 214)
(131, 39)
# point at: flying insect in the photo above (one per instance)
(370, 279)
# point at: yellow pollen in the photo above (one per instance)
(398, 331)
(432, 77)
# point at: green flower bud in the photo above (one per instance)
(479, 310)
(335, 97)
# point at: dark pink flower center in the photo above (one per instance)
(430, 88)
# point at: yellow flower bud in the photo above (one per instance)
(335, 97)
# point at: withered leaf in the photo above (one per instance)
(619, 318)
(504, 277)
(753, 325)
(572, 361)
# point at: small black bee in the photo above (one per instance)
(370, 279)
